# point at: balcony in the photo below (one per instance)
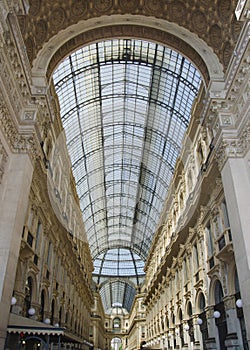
(225, 246)
(26, 250)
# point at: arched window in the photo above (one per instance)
(210, 243)
(117, 323)
(236, 283)
(218, 293)
(189, 309)
(203, 318)
(202, 302)
(221, 321)
(196, 257)
(190, 321)
(180, 316)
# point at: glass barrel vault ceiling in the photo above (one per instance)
(125, 106)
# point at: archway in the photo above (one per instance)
(221, 318)
(116, 344)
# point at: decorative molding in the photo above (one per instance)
(17, 78)
(242, 11)
(233, 148)
(19, 143)
(3, 160)
(29, 115)
(46, 19)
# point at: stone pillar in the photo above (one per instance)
(197, 334)
(13, 201)
(231, 342)
(236, 183)
(233, 325)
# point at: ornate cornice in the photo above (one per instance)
(233, 148)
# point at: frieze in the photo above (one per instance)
(240, 63)
(17, 70)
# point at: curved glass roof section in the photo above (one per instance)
(117, 295)
(125, 106)
(119, 262)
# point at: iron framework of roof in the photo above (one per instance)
(125, 106)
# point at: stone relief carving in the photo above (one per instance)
(233, 147)
(19, 143)
(201, 21)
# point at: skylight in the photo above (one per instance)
(125, 106)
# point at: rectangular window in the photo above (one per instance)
(196, 257)
(210, 243)
(38, 234)
(49, 253)
(30, 239)
(225, 215)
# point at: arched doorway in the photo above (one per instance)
(203, 319)
(220, 320)
(116, 344)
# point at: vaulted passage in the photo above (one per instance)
(125, 106)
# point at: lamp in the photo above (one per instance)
(186, 327)
(217, 314)
(13, 301)
(47, 321)
(199, 321)
(239, 303)
(56, 324)
(31, 311)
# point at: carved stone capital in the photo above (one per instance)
(229, 302)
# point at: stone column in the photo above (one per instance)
(236, 183)
(233, 325)
(197, 334)
(231, 342)
(13, 201)
(211, 344)
(212, 328)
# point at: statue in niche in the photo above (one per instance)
(203, 145)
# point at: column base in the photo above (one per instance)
(211, 344)
(231, 341)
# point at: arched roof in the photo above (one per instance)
(125, 105)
